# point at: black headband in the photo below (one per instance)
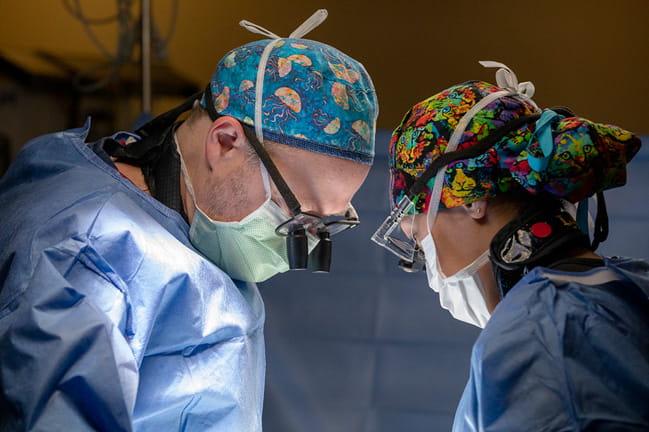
(476, 150)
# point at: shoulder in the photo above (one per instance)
(632, 269)
(551, 343)
(547, 299)
(79, 220)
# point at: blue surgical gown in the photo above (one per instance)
(109, 319)
(564, 352)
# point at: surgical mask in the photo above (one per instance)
(247, 250)
(463, 293)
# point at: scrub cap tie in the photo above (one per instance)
(299, 92)
(567, 157)
(314, 21)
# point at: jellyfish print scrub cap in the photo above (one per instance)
(299, 92)
(554, 153)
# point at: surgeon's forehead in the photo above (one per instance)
(323, 184)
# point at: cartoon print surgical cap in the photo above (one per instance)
(567, 157)
(307, 94)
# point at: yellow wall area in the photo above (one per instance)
(592, 56)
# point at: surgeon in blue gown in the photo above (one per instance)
(484, 187)
(127, 265)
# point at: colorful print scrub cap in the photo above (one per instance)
(308, 94)
(567, 157)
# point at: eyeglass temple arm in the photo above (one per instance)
(390, 223)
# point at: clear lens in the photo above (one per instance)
(339, 226)
(390, 236)
(314, 224)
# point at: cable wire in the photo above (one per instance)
(128, 37)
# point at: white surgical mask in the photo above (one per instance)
(247, 250)
(462, 294)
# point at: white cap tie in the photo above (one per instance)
(312, 22)
(254, 28)
(506, 79)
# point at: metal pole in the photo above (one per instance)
(145, 52)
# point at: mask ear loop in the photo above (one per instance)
(265, 178)
(185, 173)
(188, 184)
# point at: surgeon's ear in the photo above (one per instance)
(225, 142)
(477, 209)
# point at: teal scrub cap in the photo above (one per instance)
(299, 92)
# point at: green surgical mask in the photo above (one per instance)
(247, 250)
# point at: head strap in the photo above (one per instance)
(470, 152)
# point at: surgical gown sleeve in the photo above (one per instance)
(65, 363)
(569, 358)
